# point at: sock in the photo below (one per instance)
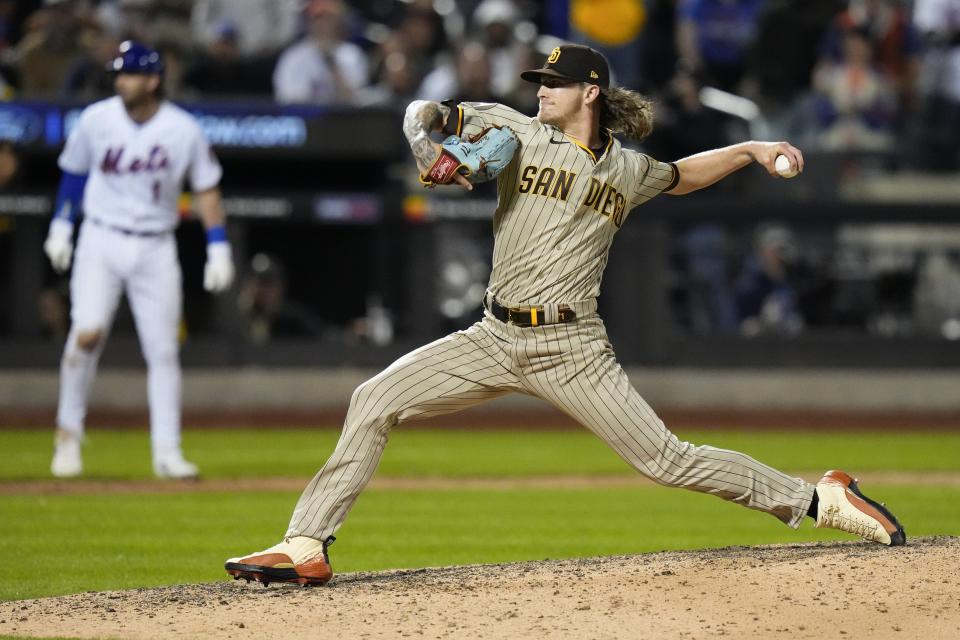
(812, 511)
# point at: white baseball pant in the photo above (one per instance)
(106, 264)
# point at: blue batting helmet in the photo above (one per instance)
(134, 57)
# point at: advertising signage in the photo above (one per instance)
(260, 127)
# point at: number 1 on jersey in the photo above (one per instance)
(156, 191)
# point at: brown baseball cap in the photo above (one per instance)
(573, 62)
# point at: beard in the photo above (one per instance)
(135, 101)
(557, 117)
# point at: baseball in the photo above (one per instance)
(784, 168)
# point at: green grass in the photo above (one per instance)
(71, 543)
(461, 453)
(67, 544)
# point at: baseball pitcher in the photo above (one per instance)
(124, 164)
(566, 191)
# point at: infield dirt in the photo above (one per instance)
(832, 590)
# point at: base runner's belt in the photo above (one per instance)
(528, 316)
(128, 232)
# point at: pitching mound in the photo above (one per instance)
(847, 590)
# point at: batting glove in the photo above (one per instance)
(59, 244)
(218, 272)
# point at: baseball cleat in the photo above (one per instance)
(843, 507)
(171, 465)
(67, 461)
(299, 560)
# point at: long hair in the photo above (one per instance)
(625, 111)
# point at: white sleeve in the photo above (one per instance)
(928, 15)
(290, 84)
(77, 154)
(202, 18)
(205, 170)
(353, 67)
(287, 22)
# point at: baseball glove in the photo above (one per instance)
(479, 158)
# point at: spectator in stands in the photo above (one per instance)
(686, 126)
(711, 306)
(148, 21)
(53, 311)
(767, 297)
(176, 63)
(220, 68)
(894, 42)
(125, 19)
(468, 77)
(322, 68)
(495, 22)
(91, 77)
(936, 296)
(936, 142)
(855, 102)
(9, 165)
(781, 61)
(261, 27)
(714, 36)
(49, 48)
(266, 311)
(396, 84)
(421, 34)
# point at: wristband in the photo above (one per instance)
(69, 196)
(217, 234)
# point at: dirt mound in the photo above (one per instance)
(836, 590)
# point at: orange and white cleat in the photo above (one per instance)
(300, 560)
(842, 506)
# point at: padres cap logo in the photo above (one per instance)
(574, 62)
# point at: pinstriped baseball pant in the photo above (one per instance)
(573, 367)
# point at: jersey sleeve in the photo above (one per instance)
(652, 178)
(77, 154)
(205, 170)
(290, 83)
(470, 118)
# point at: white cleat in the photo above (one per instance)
(300, 560)
(171, 465)
(842, 506)
(67, 461)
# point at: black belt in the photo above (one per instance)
(528, 316)
(128, 232)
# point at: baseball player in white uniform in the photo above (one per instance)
(567, 190)
(125, 160)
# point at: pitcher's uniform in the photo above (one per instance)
(126, 244)
(559, 207)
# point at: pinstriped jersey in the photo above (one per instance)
(558, 206)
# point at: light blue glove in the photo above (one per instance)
(480, 158)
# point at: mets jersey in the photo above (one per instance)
(559, 206)
(136, 171)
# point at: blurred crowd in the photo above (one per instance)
(868, 75)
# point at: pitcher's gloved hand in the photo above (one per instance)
(479, 158)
